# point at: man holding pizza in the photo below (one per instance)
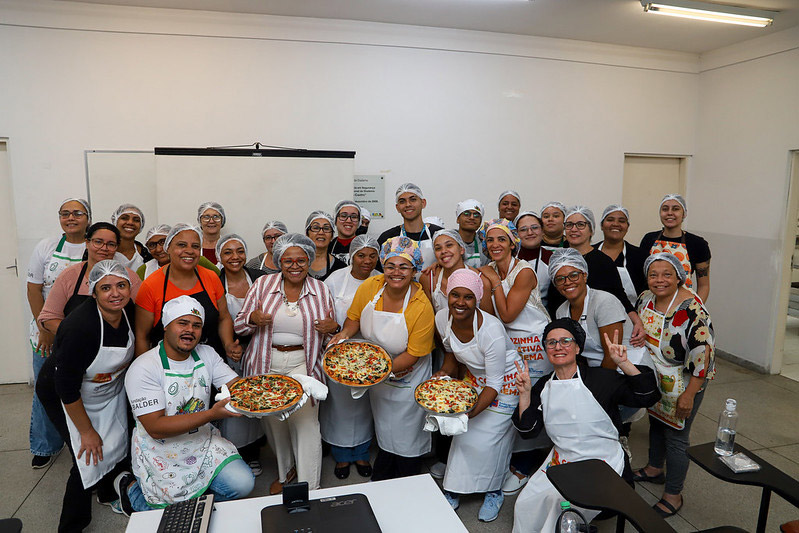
(176, 453)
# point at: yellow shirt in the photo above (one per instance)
(419, 316)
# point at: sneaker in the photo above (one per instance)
(255, 466)
(625, 445)
(438, 470)
(121, 484)
(115, 505)
(453, 500)
(492, 503)
(513, 483)
(42, 461)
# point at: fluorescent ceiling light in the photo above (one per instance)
(710, 12)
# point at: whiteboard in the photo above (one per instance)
(252, 190)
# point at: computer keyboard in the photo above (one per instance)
(190, 516)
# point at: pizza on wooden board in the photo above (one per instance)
(265, 393)
(357, 364)
(446, 396)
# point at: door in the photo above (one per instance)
(647, 179)
(786, 353)
(15, 357)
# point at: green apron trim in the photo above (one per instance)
(165, 359)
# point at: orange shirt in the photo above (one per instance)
(150, 297)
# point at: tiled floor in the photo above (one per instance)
(790, 361)
(767, 406)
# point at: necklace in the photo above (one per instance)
(292, 308)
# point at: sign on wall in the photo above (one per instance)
(370, 192)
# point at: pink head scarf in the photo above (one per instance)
(468, 279)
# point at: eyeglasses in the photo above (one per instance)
(528, 229)
(350, 216)
(67, 214)
(100, 243)
(320, 229)
(564, 342)
(209, 218)
(471, 214)
(272, 237)
(287, 263)
(580, 225)
(155, 244)
(574, 277)
(402, 269)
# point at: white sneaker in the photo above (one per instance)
(438, 470)
(513, 483)
(255, 466)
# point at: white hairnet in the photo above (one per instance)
(317, 215)
(181, 306)
(669, 258)
(126, 208)
(211, 205)
(180, 227)
(82, 202)
(436, 221)
(554, 204)
(228, 238)
(363, 241)
(284, 242)
(107, 267)
(469, 205)
(274, 224)
(452, 234)
(582, 210)
(161, 229)
(509, 192)
(366, 214)
(526, 214)
(679, 199)
(562, 257)
(347, 203)
(408, 187)
(613, 208)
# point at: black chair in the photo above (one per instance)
(10, 525)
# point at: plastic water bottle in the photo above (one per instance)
(570, 520)
(725, 438)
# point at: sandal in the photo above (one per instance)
(641, 475)
(671, 509)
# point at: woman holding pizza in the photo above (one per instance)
(289, 316)
(478, 459)
(392, 310)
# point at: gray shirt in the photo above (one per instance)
(603, 309)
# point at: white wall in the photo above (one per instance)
(463, 114)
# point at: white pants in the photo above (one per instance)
(296, 441)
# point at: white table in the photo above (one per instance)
(400, 505)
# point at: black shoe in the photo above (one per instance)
(342, 472)
(364, 470)
(121, 484)
(42, 461)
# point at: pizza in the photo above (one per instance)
(445, 396)
(265, 393)
(356, 364)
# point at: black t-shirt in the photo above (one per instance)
(697, 247)
(635, 265)
(396, 231)
(339, 250)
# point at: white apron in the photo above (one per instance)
(593, 347)
(179, 468)
(150, 267)
(103, 394)
(399, 421)
(478, 459)
(542, 273)
(439, 299)
(133, 263)
(580, 429)
(624, 274)
(474, 257)
(343, 420)
(425, 246)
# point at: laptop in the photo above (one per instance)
(336, 514)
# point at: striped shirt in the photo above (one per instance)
(315, 303)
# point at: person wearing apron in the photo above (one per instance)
(348, 220)
(552, 218)
(83, 390)
(578, 406)
(175, 452)
(155, 243)
(469, 216)
(514, 289)
(346, 423)
(680, 340)
(129, 220)
(692, 250)
(410, 203)
(48, 260)
(183, 277)
(211, 218)
(479, 458)
(628, 258)
(265, 261)
(245, 433)
(319, 228)
(392, 311)
(530, 229)
(509, 204)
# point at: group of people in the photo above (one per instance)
(563, 340)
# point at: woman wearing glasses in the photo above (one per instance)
(392, 310)
(531, 232)
(49, 259)
(578, 406)
(211, 218)
(156, 245)
(319, 228)
(288, 317)
(348, 220)
(129, 220)
(265, 261)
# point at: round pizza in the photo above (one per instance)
(356, 364)
(445, 396)
(265, 394)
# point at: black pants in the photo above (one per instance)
(76, 509)
(390, 466)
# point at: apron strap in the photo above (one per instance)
(60, 247)
(80, 277)
(165, 359)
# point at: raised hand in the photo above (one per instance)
(523, 383)
(617, 352)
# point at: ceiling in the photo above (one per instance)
(607, 21)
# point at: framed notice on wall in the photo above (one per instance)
(370, 192)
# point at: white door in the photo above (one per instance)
(15, 357)
(647, 179)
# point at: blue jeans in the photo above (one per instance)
(350, 455)
(44, 438)
(234, 481)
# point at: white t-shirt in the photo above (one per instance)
(43, 254)
(133, 263)
(497, 350)
(144, 381)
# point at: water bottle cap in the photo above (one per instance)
(731, 404)
(565, 505)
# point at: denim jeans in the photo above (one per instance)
(44, 439)
(350, 455)
(234, 481)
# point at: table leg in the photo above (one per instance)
(762, 516)
(620, 523)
